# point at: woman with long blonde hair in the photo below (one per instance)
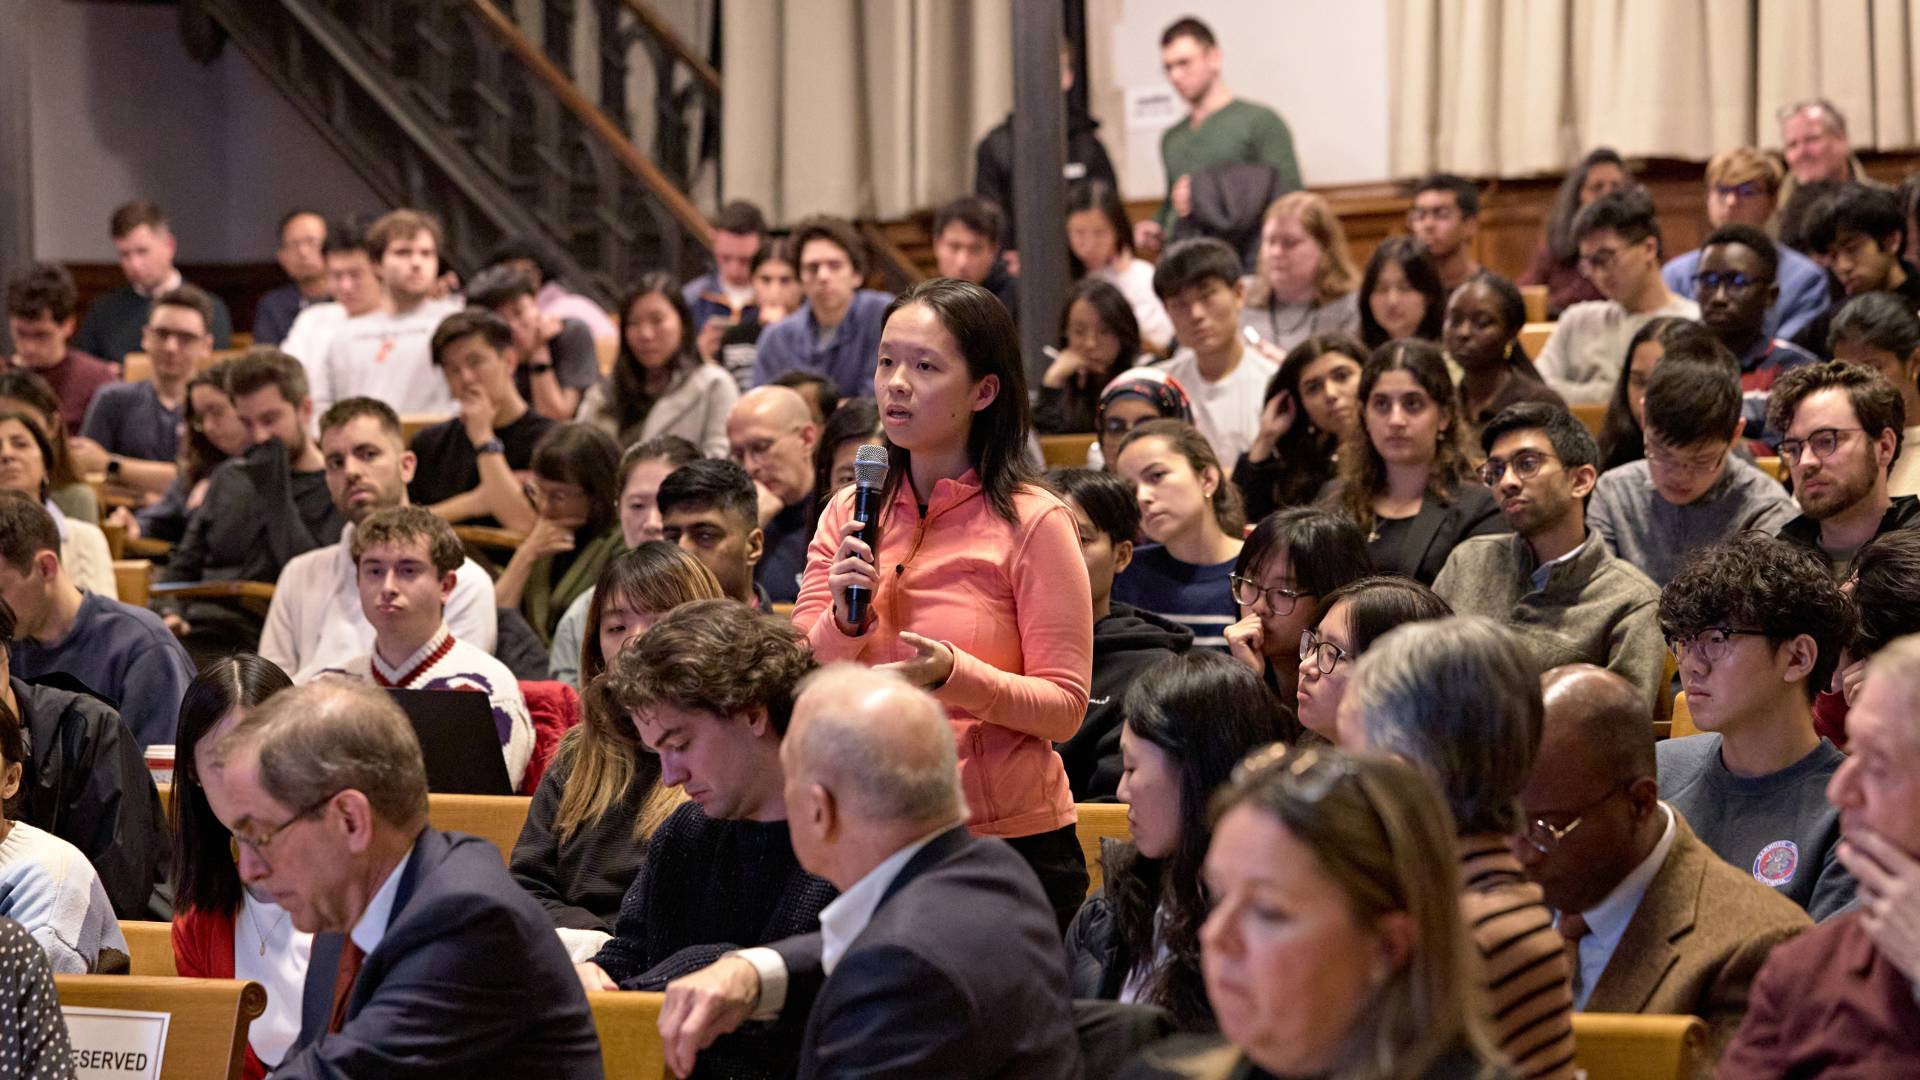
(1306, 283)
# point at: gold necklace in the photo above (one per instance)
(256, 925)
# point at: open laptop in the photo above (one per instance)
(458, 740)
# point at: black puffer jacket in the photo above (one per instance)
(1125, 643)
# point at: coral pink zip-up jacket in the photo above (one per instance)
(1014, 604)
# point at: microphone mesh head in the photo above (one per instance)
(870, 466)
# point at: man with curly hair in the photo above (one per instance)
(1843, 426)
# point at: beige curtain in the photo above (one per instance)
(1516, 87)
(865, 108)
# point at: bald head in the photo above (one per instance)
(1595, 721)
(881, 746)
(781, 404)
(771, 433)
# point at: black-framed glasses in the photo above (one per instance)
(1824, 442)
(1752, 189)
(1709, 281)
(259, 844)
(1545, 837)
(1710, 644)
(1279, 601)
(1325, 654)
(1525, 465)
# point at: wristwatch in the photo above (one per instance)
(539, 369)
(113, 468)
(491, 446)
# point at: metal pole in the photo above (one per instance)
(1039, 193)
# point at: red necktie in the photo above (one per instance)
(1572, 929)
(350, 958)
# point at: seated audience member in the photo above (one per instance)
(1100, 246)
(1690, 490)
(1305, 284)
(1189, 720)
(1757, 629)
(300, 253)
(1445, 217)
(939, 958)
(1311, 405)
(1345, 624)
(1458, 699)
(1192, 514)
(1404, 472)
(1126, 640)
(386, 354)
(316, 620)
(1619, 242)
(854, 423)
(262, 508)
(553, 360)
(133, 429)
(41, 301)
(1293, 555)
(1200, 282)
(85, 780)
(1881, 331)
(1134, 397)
(710, 509)
(578, 530)
(47, 885)
(324, 792)
(837, 330)
(724, 296)
(1841, 426)
(1735, 286)
(659, 384)
(1813, 138)
(710, 689)
(601, 799)
(1556, 264)
(1366, 977)
(122, 652)
(637, 479)
(1909, 192)
(1840, 999)
(28, 394)
(223, 927)
(994, 616)
(1554, 581)
(146, 247)
(24, 453)
(814, 388)
(1622, 438)
(776, 295)
(966, 245)
(1743, 185)
(1099, 338)
(35, 1039)
(1885, 579)
(1858, 232)
(405, 563)
(1484, 318)
(211, 432)
(1400, 294)
(554, 297)
(1658, 923)
(1798, 212)
(356, 290)
(772, 435)
(470, 466)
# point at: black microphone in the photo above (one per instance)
(869, 476)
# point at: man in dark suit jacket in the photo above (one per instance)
(1663, 924)
(941, 958)
(427, 959)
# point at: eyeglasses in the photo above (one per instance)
(1279, 601)
(1710, 645)
(1525, 465)
(259, 844)
(1325, 654)
(1545, 838)
(1824, 443)
(1666, 462)
(1435, 213)
(1749, 190)
(1712, 281)
(165, 336)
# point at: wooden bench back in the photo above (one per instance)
(208, 1022)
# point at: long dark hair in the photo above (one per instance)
(586, 456)
(855, 419)
(1621, 440)
(628, 401)
(1325, 551)
(1566, 204)
(1362, 471)
(1110, 304)
(1206, 712)
(1411, 257)
(198, 454)
(1098, 195)
(204, 877)
(1307, 451)
(997, 437)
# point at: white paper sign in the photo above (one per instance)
(1153, 108)
(116, 1044)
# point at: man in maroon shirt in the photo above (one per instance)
(40, 315)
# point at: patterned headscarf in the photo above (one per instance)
(1154, 385)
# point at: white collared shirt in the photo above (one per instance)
(173, 282)
(1607, 921)
(1545, 570)
(840, 923)
(373, 921)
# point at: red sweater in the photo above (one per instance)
(203, 949)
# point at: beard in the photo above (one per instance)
(1843, 490)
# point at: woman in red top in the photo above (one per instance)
(221, 930)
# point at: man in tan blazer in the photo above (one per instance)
(1659, 923)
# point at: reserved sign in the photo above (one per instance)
(116, 1044)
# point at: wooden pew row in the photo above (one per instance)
(1629, 1046)
(208, 1018)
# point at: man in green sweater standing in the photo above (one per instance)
(1219, 130)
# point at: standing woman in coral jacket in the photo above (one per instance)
(978, 591)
